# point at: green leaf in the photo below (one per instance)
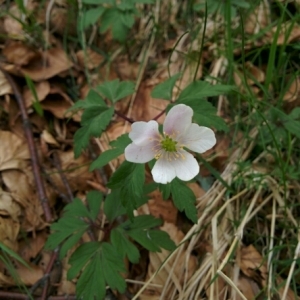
(81, 256)
(112, 19)
(119, 146)
(164, 89)
(142, 229)
(94, 199)
(129, 178)
(184, 199)
(165, 190)
(95, 120)
(142, 222)
(124, 246)
(115, 90)
(201, 89)
(205, 114)
(71, 226)
(91, 16)
(113, 206)
(91, 283)
(127, 19)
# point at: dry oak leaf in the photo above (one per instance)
(12, 25)
(248, 287)
(13, 151)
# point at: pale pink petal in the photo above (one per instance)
(186, 168)
(143, 132)
(163, 171)
(139, 154)
(178, 119)
(198, 138)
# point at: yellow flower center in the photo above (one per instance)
(168, 144)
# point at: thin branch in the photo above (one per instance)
(31, 145)
(124, 117)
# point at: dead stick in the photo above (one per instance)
(31, 145)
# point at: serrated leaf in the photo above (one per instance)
(184, 199)
(94, 199)
(120, 144)
(124, 246)
(80, 257)
(113, 206)
(129, 178)
(202, 89)
(76, 209)
(162, 239)
(90, 16)
(165, 190)
(142, 230)
(164, 90)
(112, 19)
(142, 222)
(115, 90)
(70, 242)
(127, 18)
(93, 127)
(112, 264)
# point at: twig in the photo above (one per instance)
(32, 149)
(57, 164)
(124, 117)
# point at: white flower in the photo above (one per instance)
(168, 148)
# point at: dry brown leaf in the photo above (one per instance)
(160, 208)
(58, 102)
(20, 54)
(52, 63)
(293, 92)
(48, 138)
(25, 194)
(248, 287)
(9, 230)
(252, 264)
(287, 34)
(12, 25)
(76, 172)
(13, 151)
(259, 18)
(89, 59)
(5, 87)
(29, 276)
(42, 89)
(8, 207)
(30, 247)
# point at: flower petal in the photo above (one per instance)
(142, 132)
(163, 171)
(187, 168)
(139, 154)
(178, 119)
(198, 138)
